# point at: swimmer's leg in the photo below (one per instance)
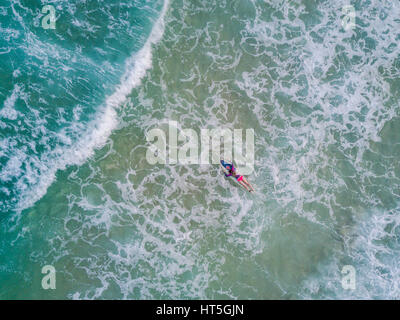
(244, 185)
(247, 183)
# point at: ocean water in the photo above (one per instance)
(76, 190)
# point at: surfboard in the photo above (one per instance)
(224, 165)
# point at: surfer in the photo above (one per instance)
(242, 180)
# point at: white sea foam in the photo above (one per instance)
(100, 129)
(377, 273)
(198, 224)
(8, 111)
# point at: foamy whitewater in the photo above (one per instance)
(76, 190)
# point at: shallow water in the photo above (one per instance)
(78, 193)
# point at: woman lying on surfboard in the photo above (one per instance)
(242, 180)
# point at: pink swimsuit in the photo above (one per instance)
(238, 177)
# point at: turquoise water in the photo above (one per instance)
(77, 191)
